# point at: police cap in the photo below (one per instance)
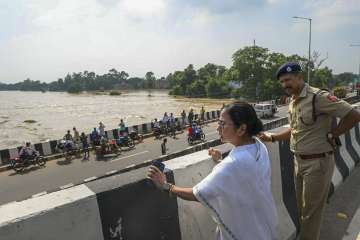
(289, 67)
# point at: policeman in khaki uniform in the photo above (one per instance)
(312, 140)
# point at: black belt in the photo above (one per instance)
(315, 155)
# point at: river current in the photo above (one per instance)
(37, 117)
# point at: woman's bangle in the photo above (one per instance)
(272, 138)
(170, 190)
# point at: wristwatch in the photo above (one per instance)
(272, 138)
(166, 186)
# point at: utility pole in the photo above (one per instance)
(357, 45)
(309, 60)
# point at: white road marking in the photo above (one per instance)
(67, 186)
(38, 194)
(135, 154)
(111, 172)
(130, 166)
(148, 161)
(90, 179)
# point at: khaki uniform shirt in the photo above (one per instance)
(307, 136)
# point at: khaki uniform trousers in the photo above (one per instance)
(312, 183)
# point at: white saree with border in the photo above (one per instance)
(238, 194)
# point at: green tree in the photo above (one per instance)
(322, 77)
(196, 89)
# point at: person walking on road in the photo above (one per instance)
(163, 147)
(237, 192)
(312, 140)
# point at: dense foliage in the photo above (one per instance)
(251, 76)
(86, 81)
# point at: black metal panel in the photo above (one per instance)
(340, 164)
(5, 156)
(138, 211)
(145, 128)
(349, 147)
(39, 148)
(136, 128)
(357, 133)
(53, 144)
(287, 180)
(115, 133)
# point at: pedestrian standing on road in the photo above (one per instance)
(183, 117)
(165, 120)
(122, 127)
(85, 146)
(312, 140)
(163, 147)
(102, 129)
(76, 135)
(237, 192)
(191, 116)
(202, 115)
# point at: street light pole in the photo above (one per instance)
(357, 45)
(309, 60)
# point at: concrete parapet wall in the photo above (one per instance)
(68, 214)
(127, 205)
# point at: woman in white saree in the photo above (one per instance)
(237, 192)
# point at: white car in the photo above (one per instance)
(264, 110)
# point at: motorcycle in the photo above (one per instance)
(199, 135)
(157, 132)
(172, 130)
(22, 162)
(107, 147)
(125, 141)
(135, 136)
(68, 148)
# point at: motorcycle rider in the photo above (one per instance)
(68, 136)
(26, 152)
(156, 127)
(95, 137)
(104, 144)
(196, 130)
(68, 146)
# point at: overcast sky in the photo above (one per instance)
(46, 39)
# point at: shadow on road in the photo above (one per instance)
(346, 200)
(26, 170)
(64, 162)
